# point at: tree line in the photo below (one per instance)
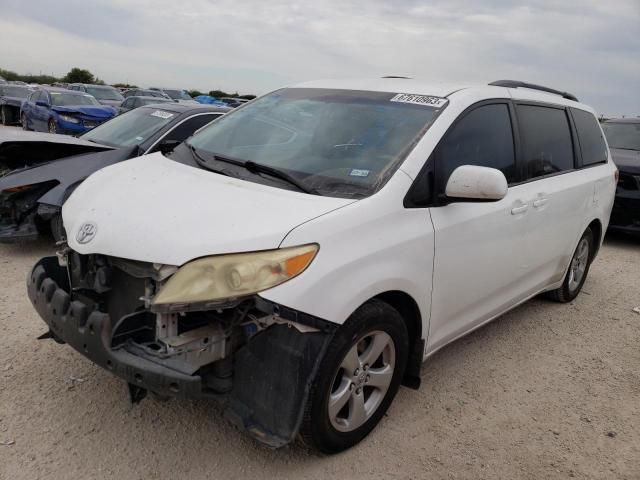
(81, 75)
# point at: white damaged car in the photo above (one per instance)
(299, 258)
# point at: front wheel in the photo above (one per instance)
(358, 378)
(578, 269)
(23, 121)
(52, 126)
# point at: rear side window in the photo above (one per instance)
(186, 129)
(546, 142)
(482, 137)
(592, 143)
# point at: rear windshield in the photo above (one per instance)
(622, 135)
(339, 142)
(14, 91)
(104, 93)
(130, 128)
(60, 99)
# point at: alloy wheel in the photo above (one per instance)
(579, 264)
(361, 382)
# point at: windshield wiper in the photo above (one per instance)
(256, 168)
(202, 161)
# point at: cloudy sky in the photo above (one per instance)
(588, 47)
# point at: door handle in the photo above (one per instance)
(520, 209)
(540, 202)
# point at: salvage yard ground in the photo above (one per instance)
(546, 391)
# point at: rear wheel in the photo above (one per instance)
(578, 269)
(358, 378)
(5, 115)
(52, 126)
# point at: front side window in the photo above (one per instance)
(623, 135)
(130, 128)
(60, 99)
(337, 142)
(592, 145)
(482, 137)
(546, 142)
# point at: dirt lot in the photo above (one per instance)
(546, 391)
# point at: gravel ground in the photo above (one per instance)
(545, 391)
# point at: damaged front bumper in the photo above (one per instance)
(271, 371)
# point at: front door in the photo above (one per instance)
(480, 263)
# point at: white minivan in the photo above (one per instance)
(299, 258)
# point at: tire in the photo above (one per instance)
(5, 115)
(51, 126)
(57, 228)
(377, 323)
(577, 271)
(23, 121)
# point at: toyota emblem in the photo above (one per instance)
(86, 233)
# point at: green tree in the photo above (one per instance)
(79, 75)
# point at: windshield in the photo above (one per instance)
(104, 93)
(60, 99)
(622, 135)
(131, 128)
(342, 142)
(178, 94)
(18, 92)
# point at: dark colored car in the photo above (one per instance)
(141, 92)
(131, 103)
(105, 94)
(11, 97)
(623, 136)
(32, 194)
(57, 110)
(177, 94)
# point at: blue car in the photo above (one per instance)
(57, 110)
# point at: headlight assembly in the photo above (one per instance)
(235, 275)
(70, 119)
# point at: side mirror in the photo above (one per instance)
(167, 146)
(476, 183)
(40, 103)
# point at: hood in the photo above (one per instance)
(89, 110)
(626, 160)
(66, 173)
(19, 148)
(153, 209)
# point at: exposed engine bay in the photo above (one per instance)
(254, 356)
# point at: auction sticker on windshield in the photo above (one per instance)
(161, 114)
(425, 100)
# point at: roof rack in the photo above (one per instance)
(519, 84)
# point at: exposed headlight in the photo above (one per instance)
(235, 275)
(70, 119)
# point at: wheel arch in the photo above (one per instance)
(408, 308)
(596, 228)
